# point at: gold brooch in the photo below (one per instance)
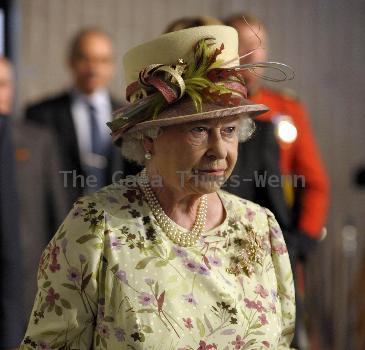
(250, 253)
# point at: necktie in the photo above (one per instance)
(98, 156)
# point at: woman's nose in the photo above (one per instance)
(216, 146)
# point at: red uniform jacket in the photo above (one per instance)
(300, 158)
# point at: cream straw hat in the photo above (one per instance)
(183, 76)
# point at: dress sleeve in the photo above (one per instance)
(65, 307)
(285, 283)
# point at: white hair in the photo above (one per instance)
(132, 145)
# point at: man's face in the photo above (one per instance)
(93, 66)
(6, 88)
(248, 41)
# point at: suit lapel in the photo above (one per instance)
(67, 132)
(67, 121)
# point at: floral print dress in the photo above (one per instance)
(111, 279)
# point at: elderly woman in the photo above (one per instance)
(166, 260)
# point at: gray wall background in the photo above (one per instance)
(321, 39)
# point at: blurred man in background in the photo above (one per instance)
(42, 200)
(79, 116)
(11, 283)
(299, 155)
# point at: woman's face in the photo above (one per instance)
(196, 158)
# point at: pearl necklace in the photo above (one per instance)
(181, 238)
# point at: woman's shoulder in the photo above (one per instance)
(121, 196)
(249, 214)
(233, 202)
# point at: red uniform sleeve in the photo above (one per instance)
(307, 162)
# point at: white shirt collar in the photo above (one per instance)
(81, 118)
(100, 97)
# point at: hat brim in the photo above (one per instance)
(184, 111)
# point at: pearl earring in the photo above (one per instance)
(148, 155)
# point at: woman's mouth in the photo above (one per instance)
(209, 172)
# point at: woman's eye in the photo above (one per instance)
(229, 130)
(199, 130)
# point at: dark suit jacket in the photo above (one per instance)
(42, 198)
(259, 157)
(11, 281)
(55, 113)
